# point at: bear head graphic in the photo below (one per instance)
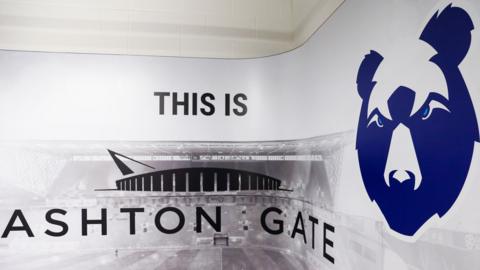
(417, 125)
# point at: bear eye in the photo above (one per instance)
(377, 119)
(428, 109)
(426, 112)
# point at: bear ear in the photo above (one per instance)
(449, 34)
(367, 70)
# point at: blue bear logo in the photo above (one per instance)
(417, 126)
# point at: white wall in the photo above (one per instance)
(307, 92)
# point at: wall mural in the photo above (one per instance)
(139, 162)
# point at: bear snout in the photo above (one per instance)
(402, 163)
(397, 177)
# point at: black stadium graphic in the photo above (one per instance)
(192, 179)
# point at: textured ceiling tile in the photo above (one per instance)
(209, 6)
(161, 27)
(158, 5)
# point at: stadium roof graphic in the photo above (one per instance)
(122, 166)
(205, 179)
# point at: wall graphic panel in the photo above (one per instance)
(356, 151)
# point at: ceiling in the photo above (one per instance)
(193, 28)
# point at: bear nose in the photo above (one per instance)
(402, 163)
(402, 176)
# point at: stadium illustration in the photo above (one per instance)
(192, 179)
(297, 176)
